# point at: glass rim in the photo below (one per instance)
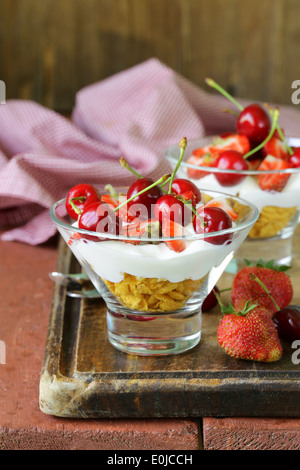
(190, 237)
(192, 145)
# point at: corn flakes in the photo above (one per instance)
(271, 221)
(152, 294)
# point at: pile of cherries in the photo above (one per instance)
(260, 128)
(148, 201)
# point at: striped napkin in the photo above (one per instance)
(136, 113)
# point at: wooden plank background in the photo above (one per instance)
(49, 49)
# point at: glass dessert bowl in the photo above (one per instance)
(152, 275)
(279, 207)
(256, 161)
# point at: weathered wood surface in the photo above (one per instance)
(50, 49)
(84, 376)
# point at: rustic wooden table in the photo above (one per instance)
(27, 296)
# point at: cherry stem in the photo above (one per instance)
(221, 90)
(191, 207)
(111, 189)
(161, 180)
(255, 278)
(210, 82)
(275, 116)
(164, 184)
(290, 151)
(80, 199)
(182, 145)
(125, 164)
(226, 289)
(230, 111)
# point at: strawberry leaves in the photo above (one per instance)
(269, 264)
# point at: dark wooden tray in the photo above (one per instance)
(84, 376)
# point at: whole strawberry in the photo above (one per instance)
(267, 285)
(249, 334)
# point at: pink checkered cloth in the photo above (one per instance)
(136, 113)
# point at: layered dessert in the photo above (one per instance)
(154, 244)
(256, 162)
(277, 208)
(150, 274)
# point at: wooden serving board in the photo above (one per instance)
(83, 376)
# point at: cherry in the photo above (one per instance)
(140, 317)
(98, 217)
(187, 190)
(213, 219)
(141, 206)
(287, 322)
(231, 160)
(254, 122)
(79, 197)
(171, 208)
(132, 317)
(294, 159)
(210, 300)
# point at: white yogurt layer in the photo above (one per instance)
(249, 189)
(111, 259)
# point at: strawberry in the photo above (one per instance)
(142, 229)
(112, 201)
(276, 147)
(273, 181)
(249, 334)
(115, 201)
(173, 229)
(223, 204)
(199, 160)
(275, 293)
(237, 142)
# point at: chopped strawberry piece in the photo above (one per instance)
(277, 148)
(142, 229)
(115, 201)
(223, 204)
(237, 142)
(273, 181)
(173, 229)
(134, 230)
(112, 201)
(199, 160)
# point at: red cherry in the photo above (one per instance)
(140, 317)
(231, 160)
(98, 217)
(186, 189)
(131, 317)
(142, 206)
(294, 159)
(254, 122)
(213, 219)
(287, 322)
(86, 193)
(210, 300)
(170, 208)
